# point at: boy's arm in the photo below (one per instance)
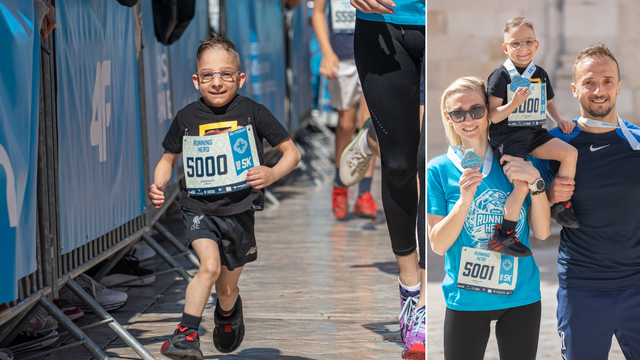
(262, 176)
(330, 60)
(564, 125)
(161, 177)
(499, 112)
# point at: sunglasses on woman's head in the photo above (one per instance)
(476, 112)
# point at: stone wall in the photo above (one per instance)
(464, 37)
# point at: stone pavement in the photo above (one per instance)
(320, 289)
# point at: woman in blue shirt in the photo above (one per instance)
(466, 192)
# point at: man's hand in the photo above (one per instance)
(374, 6)
(328, 66)
(560, 189)
(156, 195)
(566, 126)
(260, 177)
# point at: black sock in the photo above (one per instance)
(507, 226)
(190, 321)
(226, 313)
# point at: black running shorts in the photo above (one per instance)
(234, 235)
(518, 142)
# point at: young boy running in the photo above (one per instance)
(520, 98)
(217, 203)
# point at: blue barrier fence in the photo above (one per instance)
(19, 74)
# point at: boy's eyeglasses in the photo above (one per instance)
(458, 116)
(225, 75)
(515, 45)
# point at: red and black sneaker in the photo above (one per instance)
(184, 344)
(229, 330)
(562, 213)
(508, 245)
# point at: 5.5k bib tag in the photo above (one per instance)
(487, 271)
(533, 110)
(218, 164)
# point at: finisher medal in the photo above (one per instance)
(471, 160)
(518, 82)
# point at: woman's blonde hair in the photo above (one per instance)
(458, 85)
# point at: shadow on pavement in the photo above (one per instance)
(258, 353)
(389, 267)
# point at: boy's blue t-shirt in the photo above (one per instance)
(407, 12)
(487, 209)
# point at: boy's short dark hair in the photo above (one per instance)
(594, 51)
(516, 22)
(214, 42)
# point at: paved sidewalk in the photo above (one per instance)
(320, 289)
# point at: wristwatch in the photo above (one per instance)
(537, 187)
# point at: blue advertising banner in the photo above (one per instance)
(99, 145)
(19, 90)
(157, 88)
(299, 58)
(256, 28)
(183, 57)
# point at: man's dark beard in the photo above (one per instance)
(596, 115)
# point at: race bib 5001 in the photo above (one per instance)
(487, 271)
(218, 164)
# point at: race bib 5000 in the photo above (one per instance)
(218, 164)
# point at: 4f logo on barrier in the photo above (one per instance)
(12, 202)
(101, 109)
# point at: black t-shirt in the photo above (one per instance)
(497, 86)
(196, 119)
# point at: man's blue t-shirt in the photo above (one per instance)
(487, 209)
(604, 252)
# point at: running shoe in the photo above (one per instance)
(74, 313)
(42, 323)
(354, 163)
(6, 354)
(340, 202)
(128, 269)
(408, 301)
(365, 206)
(415, 336)
(229, 330)
(184, 344)
(562, 213)
(142, 251)
(35, 341)
(109, 299)
(508, 245)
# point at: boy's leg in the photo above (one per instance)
(556, 149)
(504, 239)
(199, 289)
(228, 318)
(567, 155)
(227, 287)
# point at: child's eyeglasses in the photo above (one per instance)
(459, 115)
(515, 45)
(225, 75)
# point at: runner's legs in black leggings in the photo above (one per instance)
(466, 333)
(388, 58)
